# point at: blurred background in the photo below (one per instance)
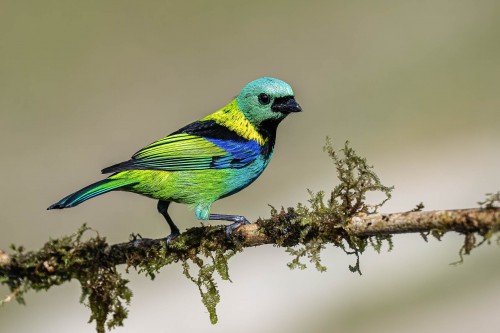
(414, 86)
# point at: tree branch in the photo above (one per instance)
(476, 220)
(342, 219)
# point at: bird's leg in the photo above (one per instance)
(163, 209)
(236, 219)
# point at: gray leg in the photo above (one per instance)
(236, 219)
(163, 209)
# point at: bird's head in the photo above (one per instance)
(267, 99)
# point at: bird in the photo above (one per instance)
(207, 160)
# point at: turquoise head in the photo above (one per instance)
(267, 99)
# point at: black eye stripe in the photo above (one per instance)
(264, 99)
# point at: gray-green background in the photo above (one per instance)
(413, 85)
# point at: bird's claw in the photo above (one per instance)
(230, 228)
(171, 237)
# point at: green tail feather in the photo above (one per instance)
(91, 191)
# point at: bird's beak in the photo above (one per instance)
(286, 105)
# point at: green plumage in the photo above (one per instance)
(204, 161)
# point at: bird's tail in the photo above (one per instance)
(91, 191)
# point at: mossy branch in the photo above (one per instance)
(342, 219)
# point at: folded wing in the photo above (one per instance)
(208, 146)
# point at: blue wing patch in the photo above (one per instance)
(240, 154)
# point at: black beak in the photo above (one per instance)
(286, 105)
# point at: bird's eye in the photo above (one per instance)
(264, 99)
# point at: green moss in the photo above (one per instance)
(418, 208)
(204, 280)
(104, 291)
(492, 200)
(346, 200)
(205, 251)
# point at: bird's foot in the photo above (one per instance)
(230, 228)
(171, 237)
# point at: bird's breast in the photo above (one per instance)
(240, 178)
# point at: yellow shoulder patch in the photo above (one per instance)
(231, 117)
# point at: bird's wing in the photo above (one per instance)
(194, 147)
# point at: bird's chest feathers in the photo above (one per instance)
(238, 179)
